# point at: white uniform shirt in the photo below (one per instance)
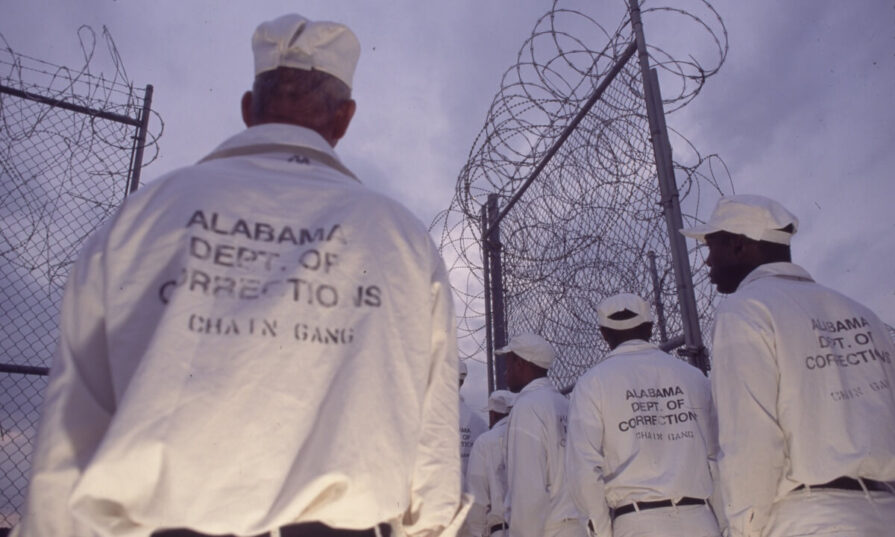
(252, 341)
(486, 479)
(471, 427)
(802, 380)
(538, 501)
(641, 428)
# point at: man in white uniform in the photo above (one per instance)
(802, 381)
(538, 502)
(486, 477)
(471, 426)
(641, 434)
(256, 343)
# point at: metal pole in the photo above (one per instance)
(657, 294)
(58, 103)
(486, 269)
(498, 309)
(693, 348)
(137, 162)
(672, 343)
(24, 369)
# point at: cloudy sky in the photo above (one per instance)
(801, 110)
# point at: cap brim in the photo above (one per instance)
(503, 350)
(698, 232)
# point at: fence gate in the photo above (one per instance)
(71, 148)
(571, 194)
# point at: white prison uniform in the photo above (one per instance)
(641, 429)
(833, 513)
(802, 380)
(538, 501)
(249, 342)
(471, 426)
(486, 479)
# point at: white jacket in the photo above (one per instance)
(802, 380)
(471, 426)
(641, 428)
(252, 341)
(538, 501)
(486, 479)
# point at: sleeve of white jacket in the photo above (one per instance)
(527, 495)
(77, 405)
(435, 502)
(585, 460)
(744, 387)
(477, 482)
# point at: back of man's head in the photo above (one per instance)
(623, 317)
(303, 76)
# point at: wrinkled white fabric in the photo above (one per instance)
(471, 427)
(802, 381)
(486, 479)
(687, 520)
(538, 501)
(249, 342)
(833, 513)
(641, 428)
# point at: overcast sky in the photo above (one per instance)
(801, 111)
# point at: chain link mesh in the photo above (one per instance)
(587, 227)
(65, 164)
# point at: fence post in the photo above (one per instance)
(140, 142)
(495, 312)
(486, 276)
(693, 347)
(657, 293)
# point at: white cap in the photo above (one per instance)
(531, 348)
(623, 302)
(296, 42)
(501, 401)
(757, 217)
(463, 370)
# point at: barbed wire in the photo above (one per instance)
(82, 157)
(589, 224)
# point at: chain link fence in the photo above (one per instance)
(71, 148)
(567, 156)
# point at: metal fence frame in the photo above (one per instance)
(495, 308)
(140, 125)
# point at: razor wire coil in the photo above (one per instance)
(587, 226)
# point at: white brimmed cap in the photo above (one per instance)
(463, 370)
(501, 401)
(531, 348)
(757, 217)
(296, 42)
(620, 303)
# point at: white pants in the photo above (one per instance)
(831, 512)
(678, 521)
(570, 527)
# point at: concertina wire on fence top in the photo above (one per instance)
(588, 226)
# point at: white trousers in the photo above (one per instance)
(570, 527)
(831, 512)
(678, 521)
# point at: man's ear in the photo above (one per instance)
(246, 105)
(341, 119)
